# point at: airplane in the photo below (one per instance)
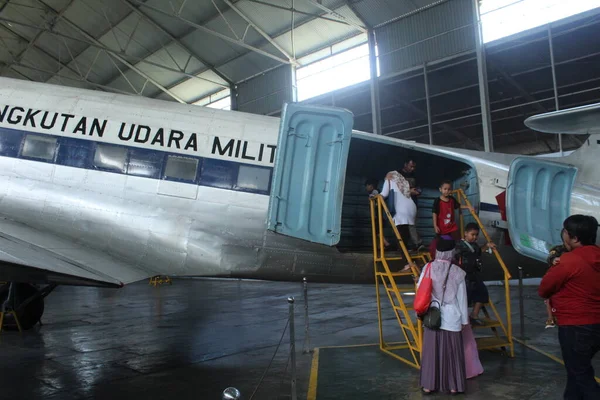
(104, 189)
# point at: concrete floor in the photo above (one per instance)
(342, 376)
(193, 339)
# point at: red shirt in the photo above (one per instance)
(573, 286)
(445, 214)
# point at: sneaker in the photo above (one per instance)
(476, 321)
(422, 249)
(550, 324)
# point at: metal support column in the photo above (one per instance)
(233, 92)
(293, 81)
(426, 80)
(488, 142)
(375, 105)
(293, 85)
(560, 145)
(521, 304)
(294, 393)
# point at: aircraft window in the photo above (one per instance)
(217, 173)
(74, 152)
(111, 158)
(10, 142)
(39, 147)
(254, 178)
(145, 163)
(181, 168)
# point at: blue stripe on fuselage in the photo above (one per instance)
(145, 163)
(489, 207)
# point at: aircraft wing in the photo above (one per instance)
(29, 255)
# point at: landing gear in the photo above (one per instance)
(22, 305)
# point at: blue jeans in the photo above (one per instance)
(579, 344)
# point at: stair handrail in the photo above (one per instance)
(507, 275)
(462, 194)
(379, 200)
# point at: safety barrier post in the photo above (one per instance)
(521, 304)
(306, 348)
(292, 347)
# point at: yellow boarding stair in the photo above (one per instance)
(410, 326)
(412, 330)
(498, 340)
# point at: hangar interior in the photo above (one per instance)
(253, 55)
(419, 70)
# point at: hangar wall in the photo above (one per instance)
(440, 31)
(519, 71)
(266, 93)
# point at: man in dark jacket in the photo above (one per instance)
(573, 285)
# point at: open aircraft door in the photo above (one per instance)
(538, 200)
(309, 173)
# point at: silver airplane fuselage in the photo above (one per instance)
(129, 226)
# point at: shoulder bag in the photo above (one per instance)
(423, 296)
(391, 200)
(432, 319)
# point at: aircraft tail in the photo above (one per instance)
(575, 121)
(586, 158)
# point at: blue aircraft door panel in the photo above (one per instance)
(309, 173)
(537, 202)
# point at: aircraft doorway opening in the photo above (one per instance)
(370, 159)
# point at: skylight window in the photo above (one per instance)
(336, 72)
(501, 18)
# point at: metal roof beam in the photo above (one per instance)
(337, 15)
(54, 74)
(41, 50)
(118, 57)
(2, 64)
(295, 10)
(260, 31)
(214, 33)
(2, 7)
(114, 52)
(148, 19)
(362, 19)
(31, 42)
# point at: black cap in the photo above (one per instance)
(444, 244)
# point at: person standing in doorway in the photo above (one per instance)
(408, 172)
(405, 208)
(573, 285)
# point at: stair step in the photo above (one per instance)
(402, 273)
(488, 323)
(400, 308)
(392, 274)
(410, 290)
(491, 342)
